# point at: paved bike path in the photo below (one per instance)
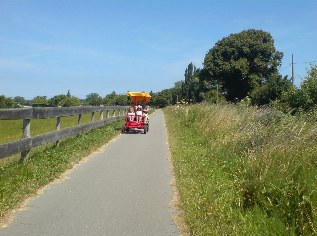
(122, 190)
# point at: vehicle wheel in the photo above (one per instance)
(123, 129)
(146, 128)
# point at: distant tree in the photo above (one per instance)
(162, 98)
(56, 100)
(108, 100)
(114, 99)
(69, 102)
(176, 92)
(6, 102)
(191, 83)
(303, 98)
(309, 85)
(20, 100)
(94, 99)
(40, 100)
(151, 103)
(121, 100)
(68, 94)
(242, 62)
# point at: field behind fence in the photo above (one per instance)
(22, 129)
(11, 130)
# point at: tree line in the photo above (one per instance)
(242, 67)
(65, 100)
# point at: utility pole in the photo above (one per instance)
(217, 94)
(292, 70)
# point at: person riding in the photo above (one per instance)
(139, 114)
(146, 114)
(131, 114)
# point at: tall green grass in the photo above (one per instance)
(244, 171)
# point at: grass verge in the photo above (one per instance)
(244, 171)
(21, 180)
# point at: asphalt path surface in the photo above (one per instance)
(121, 190)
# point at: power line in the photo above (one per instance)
(310, 62)
(303, 62)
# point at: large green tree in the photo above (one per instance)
(242, 62)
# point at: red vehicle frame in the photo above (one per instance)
(131, 123)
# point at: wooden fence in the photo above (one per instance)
(23, 146)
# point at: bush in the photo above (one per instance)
(6, 102)
(295, 100)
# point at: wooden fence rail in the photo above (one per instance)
(113, 113)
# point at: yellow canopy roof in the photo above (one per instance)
(139, 96)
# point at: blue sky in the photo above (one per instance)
(50, 46)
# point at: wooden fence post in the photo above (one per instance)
(58, 127)
(58, 123)
(26, 134)
(92, 116)
(79, 119)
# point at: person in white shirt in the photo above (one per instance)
(131, 114)
(138, 114)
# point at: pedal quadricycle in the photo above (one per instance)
(137, 118)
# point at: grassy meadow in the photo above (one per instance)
(11, 130)
(244, 171)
